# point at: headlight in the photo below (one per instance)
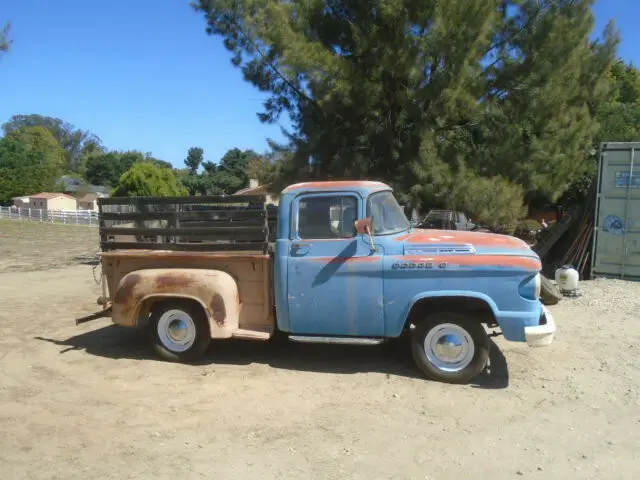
(531, 287)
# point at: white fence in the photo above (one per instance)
(67, 217)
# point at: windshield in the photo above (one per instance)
(387, 215)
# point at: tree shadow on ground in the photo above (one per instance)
(393, 358)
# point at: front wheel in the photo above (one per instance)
(450, 347)
(179, 331)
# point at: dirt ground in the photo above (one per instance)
(30, 246)
(91, 402)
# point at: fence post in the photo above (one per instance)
(40, 213)
(29, 213)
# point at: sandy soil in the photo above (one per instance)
(91, 402)
(32, 246)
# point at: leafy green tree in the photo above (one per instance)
(73, 140)
(195, 157)
(420, 91)
(619, 116)
(192, 182)
(146, 179)
(31, 161)
(208, 185)
(209, 167)
(261, 168)
(231, 172)
(618, 119)
(226, 177)
(5, 42)
(107, 168)
(90, 150)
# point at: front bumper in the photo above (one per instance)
(541, 335)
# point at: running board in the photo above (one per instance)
(336, 340)
(246, 334)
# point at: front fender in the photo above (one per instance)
(215, 291)
(396, 330)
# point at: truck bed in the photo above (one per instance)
(253, 274)
(230, 234)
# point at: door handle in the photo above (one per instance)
(301, 248)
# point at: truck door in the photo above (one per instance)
(334, 281)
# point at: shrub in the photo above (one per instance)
(146, 179)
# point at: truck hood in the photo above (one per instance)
(422, 241)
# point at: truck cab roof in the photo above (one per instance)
(362, 187)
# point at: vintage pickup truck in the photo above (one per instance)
(335, 262)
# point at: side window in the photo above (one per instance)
(327, 217)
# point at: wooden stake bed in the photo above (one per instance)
(189, 224)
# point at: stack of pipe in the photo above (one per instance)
(579, 252)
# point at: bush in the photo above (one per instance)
(146, 179)
(527, 229)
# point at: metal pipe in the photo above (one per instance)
(598, 192)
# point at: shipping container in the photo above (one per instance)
(616, 243)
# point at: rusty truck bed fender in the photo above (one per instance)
(214, 290)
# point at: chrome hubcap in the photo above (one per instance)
(176, 330)
(449, 347)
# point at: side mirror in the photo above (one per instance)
(364, 227)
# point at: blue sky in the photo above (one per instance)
(143, 74)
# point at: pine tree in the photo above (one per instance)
(425, 94)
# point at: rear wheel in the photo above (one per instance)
(450, 347)
(179, 331)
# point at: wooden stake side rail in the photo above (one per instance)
(204, 199)
(204, 223)
(245, 247)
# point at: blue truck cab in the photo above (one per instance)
(344, 265)
(442, 287)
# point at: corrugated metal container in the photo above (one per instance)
(616, 245)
